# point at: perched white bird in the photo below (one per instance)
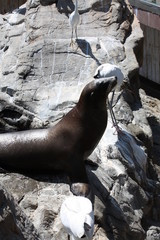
(109, 70)
(74, 20)
(77, 217)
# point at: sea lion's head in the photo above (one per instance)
(97, 91)
(105, 85)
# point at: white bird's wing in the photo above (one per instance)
(77, 217)
(72, 217)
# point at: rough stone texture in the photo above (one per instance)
(41, 77)
(14, 224)
(151, 106)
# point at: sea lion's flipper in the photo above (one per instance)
(78, 177)
(81, 189)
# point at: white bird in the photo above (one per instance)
(77, 217)
(109, 70)
(74, 19)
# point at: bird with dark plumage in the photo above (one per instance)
(74, 19)
(109, 70)
(77, 217)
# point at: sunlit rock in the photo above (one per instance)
(41, 77)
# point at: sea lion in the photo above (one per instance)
(66, 145)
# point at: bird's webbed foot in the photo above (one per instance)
(71, 43)
(74, 43)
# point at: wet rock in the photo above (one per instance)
(41, 79)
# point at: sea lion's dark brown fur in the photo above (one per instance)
(66, 145)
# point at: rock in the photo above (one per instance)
(32, 3)
(14, 117)
(153, 233)
(41, 79)
(151, 106)
(14, 224)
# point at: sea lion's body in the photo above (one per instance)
(64, 146)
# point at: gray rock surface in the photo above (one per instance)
(14, 224)
(41, 77)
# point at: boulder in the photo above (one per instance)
(41, 77)
(14, 224)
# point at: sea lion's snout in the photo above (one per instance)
(107, 83)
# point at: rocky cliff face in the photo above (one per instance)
(41, 78)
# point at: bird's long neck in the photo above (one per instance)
(76, 6)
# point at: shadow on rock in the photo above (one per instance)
(86, 49)
(65, 7)
(113, 219)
